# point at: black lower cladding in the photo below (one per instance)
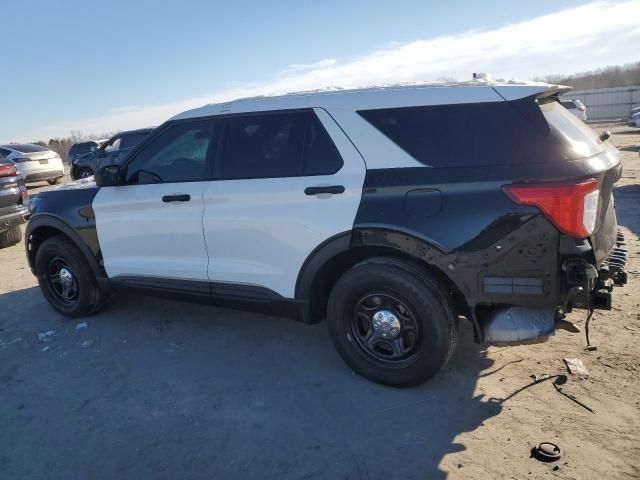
(460, 220)
(248, 297)
(70, 211)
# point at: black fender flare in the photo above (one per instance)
(317, 259)
(420, 251)
(55, 222)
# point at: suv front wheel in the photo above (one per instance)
(391, 322)
(66, 279)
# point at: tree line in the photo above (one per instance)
(614, 76)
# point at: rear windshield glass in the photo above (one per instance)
(28, 148)
(566, 104)
(570, 130)
(83, 147)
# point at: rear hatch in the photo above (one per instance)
(572, 151)
(41, 157)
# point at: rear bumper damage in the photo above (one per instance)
(590, 287)
(584, 286)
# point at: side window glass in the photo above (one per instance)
(131, 140)
(113, 146)
(263, 146)
(178, 154)
(321, 157)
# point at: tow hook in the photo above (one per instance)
(602, 299)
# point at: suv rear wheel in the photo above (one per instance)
(66, 279)
(391, 322)
(85, 172)
(10, 237)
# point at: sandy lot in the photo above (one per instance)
(163, 389)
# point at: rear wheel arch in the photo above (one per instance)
(329, 261)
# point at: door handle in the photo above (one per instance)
(180, 197)
(335, 189)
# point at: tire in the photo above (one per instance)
(53, 181)
(84, 172)
(83, 295)
(10, 237)
(424, 314)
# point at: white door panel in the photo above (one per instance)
(140, 235)
(260, 231)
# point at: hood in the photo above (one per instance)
(76, 185)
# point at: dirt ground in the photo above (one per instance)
(154, 388)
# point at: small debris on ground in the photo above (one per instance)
(546, 452)
(576, 367)
(562, 380)
(568, 326)
(46, 348)
(46, 336)
(87, 343)
(82, 326)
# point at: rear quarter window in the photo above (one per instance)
(483, 134)
(464, 135)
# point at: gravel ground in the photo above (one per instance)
(154, 388)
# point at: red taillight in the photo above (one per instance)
(8, 171)
(572, 207)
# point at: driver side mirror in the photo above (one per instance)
(109, 176)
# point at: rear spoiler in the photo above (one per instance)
(538, 90)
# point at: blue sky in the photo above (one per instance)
(71, 65)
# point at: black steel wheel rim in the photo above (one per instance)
(62, 280)
(385, 328)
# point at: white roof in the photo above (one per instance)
(383, 96)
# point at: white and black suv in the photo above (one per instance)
(390, 212)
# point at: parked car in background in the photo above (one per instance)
(634, 120)
(34, 162)
(389, 212)
(576, 107)
(109, 153)
(14, 203)
(82, 148)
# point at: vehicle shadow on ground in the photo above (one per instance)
(627, 199)
(155, 388)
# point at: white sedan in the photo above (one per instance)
(34, 162)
